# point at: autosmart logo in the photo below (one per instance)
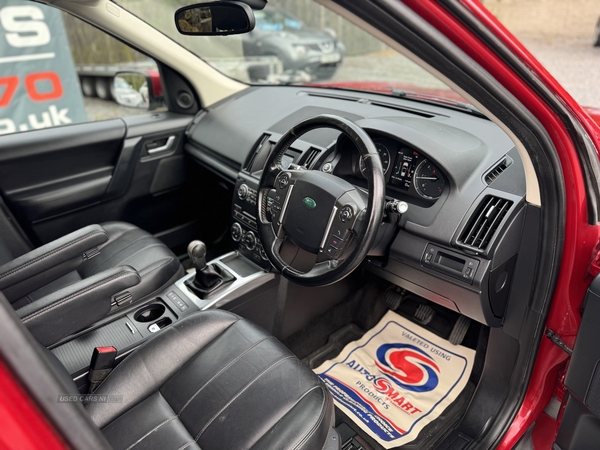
(408, 366)
(396, 379)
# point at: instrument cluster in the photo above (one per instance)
(406, 169)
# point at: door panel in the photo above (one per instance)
(580, 424)
(61, 195)
(134, 169)
(51, 171)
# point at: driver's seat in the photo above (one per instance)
(210, 381)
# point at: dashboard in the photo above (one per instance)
(459, 174)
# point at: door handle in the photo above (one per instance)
(168, 145)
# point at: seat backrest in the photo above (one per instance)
(13, 240)
(5, 253)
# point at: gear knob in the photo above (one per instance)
(197, 253)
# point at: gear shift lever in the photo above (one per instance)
(208, 276)
(197, 252)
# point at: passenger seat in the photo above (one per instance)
(111, 244)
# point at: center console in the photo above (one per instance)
(246, 277)
(135, 324)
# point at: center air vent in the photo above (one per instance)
(491, 176)
(310, 157)
(485, 222)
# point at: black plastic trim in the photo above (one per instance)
(209, 160)
(124, 169)
(60, 138)
(174, 84)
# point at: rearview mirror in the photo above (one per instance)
(215, 19)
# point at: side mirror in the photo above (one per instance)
(215, 19)
(141, 90)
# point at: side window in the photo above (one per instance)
(57, 70)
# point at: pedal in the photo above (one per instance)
(459, 330)
(424, 314)
(393, 299)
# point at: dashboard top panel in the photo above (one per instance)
(233, 125)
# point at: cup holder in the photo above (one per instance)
(162, 323)
(149, 313)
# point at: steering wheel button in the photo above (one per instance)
(339, 233)
(335, 242)
(346, 214)
(332, 252)
(284, 181)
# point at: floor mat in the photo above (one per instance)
(396, 379)
(335, 344)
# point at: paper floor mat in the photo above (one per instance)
(396, 379)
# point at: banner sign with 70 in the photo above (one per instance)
(39, 87)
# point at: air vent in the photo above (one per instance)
(311, 157)
(416, 112)
(264, 140)
(491, 176)
(485, 222)
(326, 95)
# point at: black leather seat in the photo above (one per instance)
(215, 381)
(127, 245)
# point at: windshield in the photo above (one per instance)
(299, 42)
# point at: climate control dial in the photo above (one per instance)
(250, 240)
(242, 191)
(236, 232)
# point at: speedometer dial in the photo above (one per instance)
(384, 155)
(429, 182)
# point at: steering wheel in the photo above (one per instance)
(319, 212)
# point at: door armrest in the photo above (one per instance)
(41, 266)
(76, 306)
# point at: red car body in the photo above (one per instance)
(19, 415)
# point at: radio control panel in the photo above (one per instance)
(243, 231)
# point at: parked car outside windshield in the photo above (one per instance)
(306, 53)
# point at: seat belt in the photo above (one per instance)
(101, 365)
